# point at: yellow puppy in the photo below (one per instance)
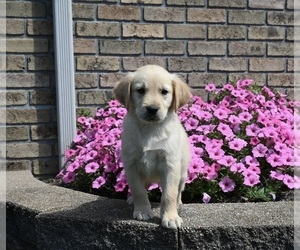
(154, 144)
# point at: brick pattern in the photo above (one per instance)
(31, 132)
(202, 41)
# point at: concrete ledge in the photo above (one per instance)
(41, 216)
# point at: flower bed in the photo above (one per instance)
(242, 144)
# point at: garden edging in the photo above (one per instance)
(43, 216)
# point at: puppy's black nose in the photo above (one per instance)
(152, 110)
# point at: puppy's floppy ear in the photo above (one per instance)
(122, 90)
(181, 93)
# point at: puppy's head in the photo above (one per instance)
(151, 92)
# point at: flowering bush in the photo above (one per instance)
(242, 145)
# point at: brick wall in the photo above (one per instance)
(30, 78)
(203, 41)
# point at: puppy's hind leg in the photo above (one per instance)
(142, 206)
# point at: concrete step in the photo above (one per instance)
(42, 216)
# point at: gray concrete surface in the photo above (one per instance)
(41, 216)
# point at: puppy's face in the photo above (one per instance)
(151, 92)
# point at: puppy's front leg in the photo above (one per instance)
(169, 214)
(142, 206)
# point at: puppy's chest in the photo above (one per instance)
(152, 162)
(154, 155)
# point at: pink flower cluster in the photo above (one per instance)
(244, 136)
(95, 152)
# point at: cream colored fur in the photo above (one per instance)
(154, 144)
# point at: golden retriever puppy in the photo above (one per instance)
(154, 143)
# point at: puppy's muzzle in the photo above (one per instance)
(152, 110)
(151, 114)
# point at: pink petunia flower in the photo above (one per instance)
(194, 139)
(225, 130)
(275, 160)
(234, 119)
(120, 186)
(254, 141)
(69, 177)
(237, 144)
(210, 87)
(255, 169)
(70, 153)
(251, 161)
(237, 167)
(288, 181)
(251, 180)
(252, 130)
(206, 198)
(216, 154)
(196, 166)
(269, 132)
(73, 166)
(260, 150)
(227, 184)
(288, 159)
(227, 160)
(244, 83)
(228, 87)
(296, 182)
(221, 113)
(279, 146)
(191, 124)
(99, 182)
(108, 141)
(277, 175)
(245, 116)
(114, 103)
(198, 152)
(209, 173)
(81, 120)
(91, 167)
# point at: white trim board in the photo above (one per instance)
(64, 66)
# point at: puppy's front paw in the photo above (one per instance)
(172, 223)
(142, 215)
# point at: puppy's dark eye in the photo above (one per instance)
(164, 92)
(141, 91)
